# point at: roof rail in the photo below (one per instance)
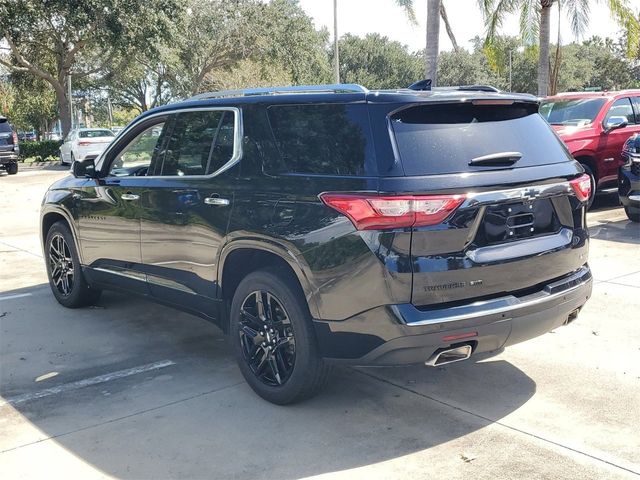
(333, 88)
(471, 88)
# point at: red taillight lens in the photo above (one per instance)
(376, 212)
(582, 187)
(15, 138)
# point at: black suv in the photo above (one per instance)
(9, 149)
(332, 223)
(629, 178)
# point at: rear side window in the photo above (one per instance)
(328, 139)
(200, 143)
(443, 139)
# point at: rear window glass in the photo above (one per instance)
(322, 139)
(443, 139)
(95, 133)
(4, 126)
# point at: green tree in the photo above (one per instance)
(82, 38)
(535, 20)
(377, 62)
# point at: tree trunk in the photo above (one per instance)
(64, 109)
(447, 26)
(433, 38)
(545, 40)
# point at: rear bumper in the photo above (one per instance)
(7, 158)
(404, 334)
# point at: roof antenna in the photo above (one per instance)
(421, 85)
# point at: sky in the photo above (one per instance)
(360, 17)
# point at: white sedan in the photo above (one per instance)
(84, 142)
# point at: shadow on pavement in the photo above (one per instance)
(624, 231)
(198, 419)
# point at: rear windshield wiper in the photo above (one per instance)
(497, 159)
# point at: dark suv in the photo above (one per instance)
(629, 178)
(9, 149)
(332, 223)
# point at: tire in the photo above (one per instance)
(62, 162)
(73, 160)
(69, 286)
(303, 373)
(12, 168)
(594, 183)
(634, 217)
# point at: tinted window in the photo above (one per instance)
(96, 133)
(621, 108)
(580, 111)
(136, 157)
(443, 139)
(322, 139)
(200, 143)
(4, 126)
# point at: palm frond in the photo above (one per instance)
(577, 11)
(530, 21)
(408, 7)
(627, 19)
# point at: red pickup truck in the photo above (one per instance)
(594, 126)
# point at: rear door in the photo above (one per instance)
(517, 222)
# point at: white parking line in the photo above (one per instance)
(86, 382)
(17, 295)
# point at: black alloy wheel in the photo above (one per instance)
(267, 338)
(61, 265)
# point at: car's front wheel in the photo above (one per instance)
(273, 338)
(66, 279)
(12, 168)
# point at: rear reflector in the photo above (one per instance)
(582, 187)
(459, 336)
(376, 212)
(85, 143)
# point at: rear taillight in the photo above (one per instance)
(582, 187)
(84, 143)
(377, 212)
(15, 138)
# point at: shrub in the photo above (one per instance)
(42, 149)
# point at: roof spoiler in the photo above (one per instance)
(423, 85)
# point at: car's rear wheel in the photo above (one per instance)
(634, 217)
(273, 338)
(66, 279)
(12, 168)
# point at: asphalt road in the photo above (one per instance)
(129, 389)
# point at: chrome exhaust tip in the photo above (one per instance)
(449, 355)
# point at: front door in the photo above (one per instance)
(186, 211)
(614, 141)
(109, 209)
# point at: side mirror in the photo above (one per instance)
(613, 123)
(85, 168)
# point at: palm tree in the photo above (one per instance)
(435, 11)
(535, 19)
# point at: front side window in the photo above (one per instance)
(135, 158)
(200, 143)
(621, 108)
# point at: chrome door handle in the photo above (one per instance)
(216, 201)
(129, 196)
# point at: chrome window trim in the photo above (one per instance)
(238, 135)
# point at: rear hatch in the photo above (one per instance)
(511, 200)
(8, 140)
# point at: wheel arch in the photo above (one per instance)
(51, 215)
(590, 161)
(241, 257)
